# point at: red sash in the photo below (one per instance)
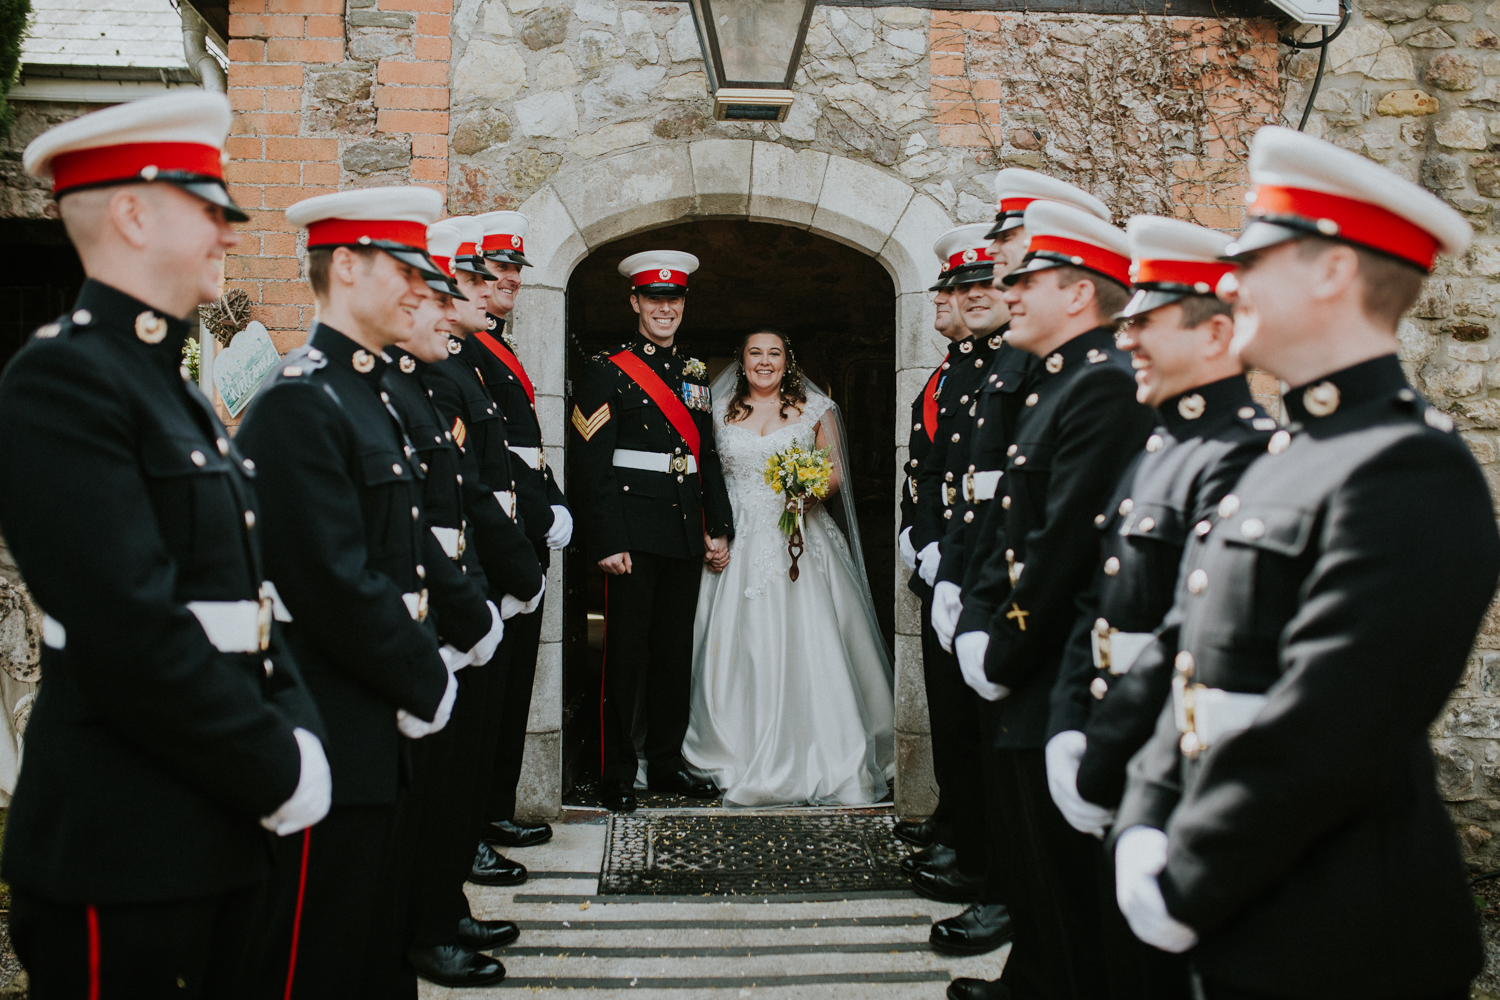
(510, 361)
(929, 405)
(665, 399)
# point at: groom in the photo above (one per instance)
(656, 508)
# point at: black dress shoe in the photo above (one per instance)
(982, 927)
(494, 869)
(977, 989)
(482, 935)
(683, 782)
(934, 858)
(951, 886)
(618, 798)
(451, 965)
(917, 834)
(514, 833)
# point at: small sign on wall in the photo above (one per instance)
(240, 368)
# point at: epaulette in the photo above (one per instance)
(58, 327)
(302, 361)
(605, 355)
(1256, 418)
(1436, 419)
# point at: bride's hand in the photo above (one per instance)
(716, 552)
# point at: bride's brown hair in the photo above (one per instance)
(792, 392)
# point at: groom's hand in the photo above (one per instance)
(716, 552)
(617, 564)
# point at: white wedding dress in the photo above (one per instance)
(791, 695)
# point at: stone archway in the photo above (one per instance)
(854, 203)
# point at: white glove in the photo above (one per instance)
(414, 728)
(561, 532)
(312, 796)
(947, 605)
(970, 649)
(483, 650)
(1140, 855)
(512, 606)
(1064, 753)
(908, 551)
(930, 558)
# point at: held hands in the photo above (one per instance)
(908, 551)
(561, 532)
(312, 796)
(617, 564)
(1064, 753)
(929, 558)
(414, 728)
(947, 605)
(716, 552)
(970, 649)
(1140, 855)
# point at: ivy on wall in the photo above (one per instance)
(13, 17)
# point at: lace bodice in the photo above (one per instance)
(743, 454)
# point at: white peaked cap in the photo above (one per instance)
(502, 237)
(503, 223)
(443, 238)
(1172, 259)
(1156, 237)
(965, 254)
(1295, 175)
(657, 268)
(407, 203)
(1017, 187)
(198, 117)
(1066, 236)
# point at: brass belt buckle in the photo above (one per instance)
(263, 616)
(541, 459)
(679, 463)
(463, 543)
(422, 605)
(969, 489)
(1184, 690)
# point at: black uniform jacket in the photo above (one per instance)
(1079, 427)
(455, 581)
(1345, 581)
(344, 542)
(918, 447)
(1206, 438)
(1006, 381)
(150, 754)
(636, 510)
(473, 420)
(537, 491)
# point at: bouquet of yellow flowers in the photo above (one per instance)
(797, 473)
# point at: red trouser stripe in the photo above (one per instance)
(291, 965)
(93, 918)
(603, 661)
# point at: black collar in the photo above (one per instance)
(1186, 414)
(1088, 348)
(106, 309)
(345, 353)
(1378, 378)
(405, 362)
(647, 347)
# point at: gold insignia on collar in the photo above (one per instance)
(408, 364)
(150, 328)
(364, 361)
(1054, 363)
(1191, 407)
(997, 340)
(650, 348)
(455, 346)
(1321, 399)
(966, 346)
(489, 322)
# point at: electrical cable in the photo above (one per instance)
(1322, 46)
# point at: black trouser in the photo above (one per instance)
(182, 948)
(512, 707)
(648, 626)
(1214, 991)
(953, 715)
(1134, 969)
(1050, 872)
(328, 904)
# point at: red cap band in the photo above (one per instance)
(445, 264)
(1086, 255)
(504, 241)
(1015, 204)
(978, 255)
(1183, 272)
(664, 276)
(1347, 219)
(466, 250)
(342, 232)
(132, 161)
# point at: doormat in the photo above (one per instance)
(729, 855)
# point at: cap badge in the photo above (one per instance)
(970, 256)
(1327, 227)
(515, 241)
(1321, 399)
(1191, 407)
(650, 348)
(151, 328)
(455, 346)
(364, 241)
(1054, 363)
(364, 361)
(149, 172)
(408, 364)
(1201, 287)
(489, 322)
(664, 274)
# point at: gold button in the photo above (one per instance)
(1147, 523)
(1202, 528)
(1153, 443)
(968, 517)
(948, 514)
(947, 477)
(421, 572)
(1100, 518)
(955, 439)
(249, 465)
(978, 362)
(1126, 506)
(269, 667)
(199, 459)
(249, 519)
(964, 398)
(1279, 442)
(979, 422)
(1031, 400)
(1012, 449)
(1253, 528)
(1229, 506)
(1020, 459)
(396, 468)
(1111, 566)
(1005, 503)
(1099, 687)
(1246, 412)
(679, 479)
(416, 512)
(1184, 662)
(1197, 582)
(223, 446)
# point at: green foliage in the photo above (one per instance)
(13, 17)
(191, 352)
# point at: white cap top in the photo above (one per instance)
(503, 233)
(443, 238)
(1172, 259)
(659, 267)
(964, 245)
(1016, 187)
(192, 117)
(405, 204)
(1063, 235)
(1156, 237)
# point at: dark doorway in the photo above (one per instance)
(41, 278)
(837, 305)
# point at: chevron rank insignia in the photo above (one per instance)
(459, 431)
(587, 427)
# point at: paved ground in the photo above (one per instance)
(678, 947)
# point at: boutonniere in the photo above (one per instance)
(508, 337)
(695, 369)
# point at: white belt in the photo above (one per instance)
(449, 538)
(534, 457)
(979, 486)
(54, 636)
(655, 461)
(241, 626)
(1207, 716)
(1116, 650)
(507, 501)
(416, 604)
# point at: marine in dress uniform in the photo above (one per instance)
(654, 496)
(1209, 430)
(173, 728)
(1079, 427)
(346, 546)
(543, 511)
(1306, 850)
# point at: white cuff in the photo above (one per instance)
(512, 606)
(561, 532)
(414, 728)
(1140, 856)
(908, 551)
(1063, 755)
(930, 559)
(314, 792)
(970, 649)
(947, 605)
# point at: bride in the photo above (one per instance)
(791, 694)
